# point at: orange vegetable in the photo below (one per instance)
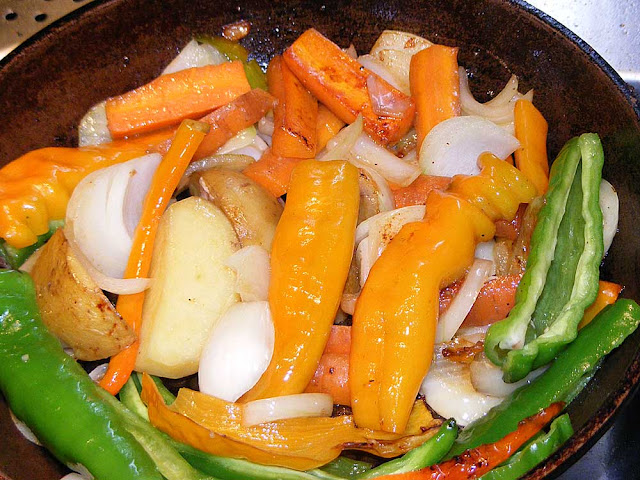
(171, 98)
(476, 462)
(327, 126)
(310, 260)
(332, 377)
(340, 82)
(215, 426)
(435, 87)
(272, 172)
(396, 314)
(607, 295)
(531, 132)
(295, 115)
(339, 340)
(165, 181)
(510, 229)
(419, 190)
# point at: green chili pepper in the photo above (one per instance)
(427, 454)
(235, 51)
(534, 452)
(344, 467)
(53, 395)
(559, 383)
(561, 279)
(15, 257)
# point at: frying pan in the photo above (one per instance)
(109, 47)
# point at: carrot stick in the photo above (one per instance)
(295, 114)
(327, 126)
(339, 340)
(164, 182)
(171, 98)
(435, 87)
(340, 82)
(607, 295)
(417, 192)
(531, 132)
(332, 377)
(510, 230)
(272, 172)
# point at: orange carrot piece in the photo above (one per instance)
(510, 230)
(476, 462)
(607, 295)
(272, 172)
(164, 182)
(531, 132)
(171, 98)
(295, 114)
(435, 87)
(340, 82)
(339, 340)
(418, 191)
(327, 126)
(332, 377)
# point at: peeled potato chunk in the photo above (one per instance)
(191, 288)
(252, 210)
(73, 307)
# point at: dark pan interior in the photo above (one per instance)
(48, 84)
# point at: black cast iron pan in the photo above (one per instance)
(110, 47)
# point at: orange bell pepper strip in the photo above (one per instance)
(340, 82)
(396, 314)
(607, 295)
(310, 260)
(171, 98)
(435, 87)
(327, 126)
(476, 462)
(163, 184)
(272, 172)
(531, 131)
(215, 426)
(295, 115)
(417, 192)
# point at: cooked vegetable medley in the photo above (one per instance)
(351, 253)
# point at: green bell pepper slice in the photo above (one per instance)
(15, 257)
(561, 278)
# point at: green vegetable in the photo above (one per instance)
(561, 279)
(235, 51)
(559, 383)
(15, 257)
(533, 453)
(53, 395)
(427, 454)
(345, 468)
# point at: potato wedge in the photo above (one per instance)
(73, 307)
(191, 287)
(253, 212)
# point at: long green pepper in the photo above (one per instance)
(561, 279)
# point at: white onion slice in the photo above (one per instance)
(242, 139)
(195, 55)
(452, 147)
(399, 217)
(383, 101)
(24, 430)
(93, 129)
(230, 161)
(351, 51)
(97, 373)
(450, 321)
(473, 334)
(384, 162)
(487, 378)
(287, 406)
(75, 476)
(237, 352)
(486, 251)
(386, 201)
(340, 145)
(374, 65)
(348, 302)
(449, 392)
(266, 126)
(103, 210)
(253, 272)
(363, 257)
(610, 207)
(255, 149)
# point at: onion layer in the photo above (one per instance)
(374, 65)
(24, 430)
(253, 272)
(384, 162)
(288, 406)
(93, 129)
(487, 378)
(195, 55)
(610, 207)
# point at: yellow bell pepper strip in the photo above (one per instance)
(396, 314)
(607, 295)
(215, 426)
(164, 182)
(310, 260)
(531, 131)
(35, 188)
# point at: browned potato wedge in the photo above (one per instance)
(73, 307)
(252, 210)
